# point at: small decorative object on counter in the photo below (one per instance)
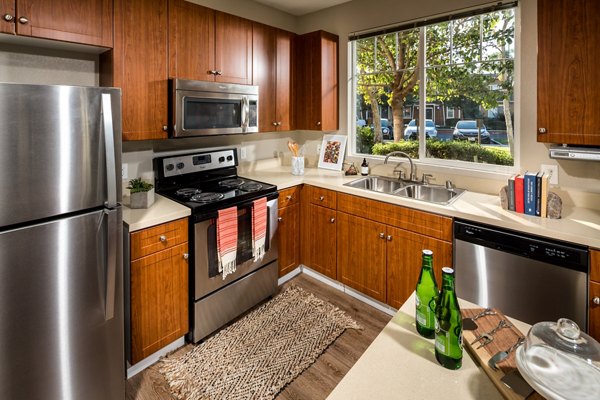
(448, 324)
(351, 170)
(426, 297)
(364, 167)
(554, 206)
(142, 193)
(297, 165)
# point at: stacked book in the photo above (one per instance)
(528, 193)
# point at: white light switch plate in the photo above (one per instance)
(124, 171)
(243, 153)
(551, 170)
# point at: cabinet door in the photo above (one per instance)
(329, 82)
(82, 21)
(568, 75)
(7, 7)
(138, 65)
(322, 240)
(191, 41)
(159, 300)
(361, 255)
(289, 238)
(233, 49)
(283, 86)
(404, 255)
(264, 74)
(594, 320)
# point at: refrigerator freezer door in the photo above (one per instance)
(53, 152)
(56, 339)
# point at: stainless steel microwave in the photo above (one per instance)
(200, 108)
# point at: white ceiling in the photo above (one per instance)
(301, 7)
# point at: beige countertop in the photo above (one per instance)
(163, 210)
(578, 225)
(401, 364)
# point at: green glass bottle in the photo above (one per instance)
(426, 297)
(448, 324)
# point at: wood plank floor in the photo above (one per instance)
(319, 379)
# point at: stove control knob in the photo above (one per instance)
(229, 158)
(169, 167)
(221, 159)
(180, 165)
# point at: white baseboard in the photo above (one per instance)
(349, 291)
(151, 359)
(289, 275)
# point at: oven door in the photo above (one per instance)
(207, 277)
(212, 113)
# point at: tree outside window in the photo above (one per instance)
(467, 111)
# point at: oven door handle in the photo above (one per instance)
(272, 221)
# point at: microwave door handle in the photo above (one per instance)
(245, 113)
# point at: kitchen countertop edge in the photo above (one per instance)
(163, 210)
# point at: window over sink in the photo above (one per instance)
(441, 90)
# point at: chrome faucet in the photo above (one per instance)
(401, 153)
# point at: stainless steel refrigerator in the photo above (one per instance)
(61, 279)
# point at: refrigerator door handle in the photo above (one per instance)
(109, 146)
(111, 262)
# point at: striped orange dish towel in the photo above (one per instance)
(259, 228)
(227, 235)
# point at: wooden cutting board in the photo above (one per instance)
(503, 339)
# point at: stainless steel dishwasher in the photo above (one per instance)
(529, 278)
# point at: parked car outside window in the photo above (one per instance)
(467, 130)
(410, 132)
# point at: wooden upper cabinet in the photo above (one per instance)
(316, 81)
(568, 77)
(191, 41)
(271, 72)
(138, 65)
(209, 45)
(85, 21)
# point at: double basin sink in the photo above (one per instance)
(408, 189)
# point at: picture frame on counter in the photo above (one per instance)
(332, 153)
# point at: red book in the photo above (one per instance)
(519, 193)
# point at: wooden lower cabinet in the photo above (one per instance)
(321, 240)
(289, 238)
(361, 255)
(594, 310)
(159, 300)
(404, 255)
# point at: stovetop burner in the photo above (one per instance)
(231, 183)
(187, 192)
(207, 197)
(250, 187)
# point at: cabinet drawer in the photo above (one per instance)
(289, 196)
(323, 197)
(157, 238)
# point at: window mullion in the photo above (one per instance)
(422, 92)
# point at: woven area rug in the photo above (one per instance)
(258, 355)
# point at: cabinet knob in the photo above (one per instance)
(218, 72)
(381, 235)
(596, 300)
(332, 220)
(23, 20)
(212, 71)
(318, 123)
(186, 256)
(165, 127)
(542, 130)
(163, 238)
(279, 123)
(274, 123)
(8, 17)
(288, 197)
(279, 219)
(321, 198)
(389, 238)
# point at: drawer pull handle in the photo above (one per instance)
(389, 238)
(596, 301)
(382, 235)
(321, 198)
(186, 256)
(332, 220)
(163, 238)
(279, 219)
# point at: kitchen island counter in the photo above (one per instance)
(400, 364)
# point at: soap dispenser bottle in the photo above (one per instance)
(364, 167)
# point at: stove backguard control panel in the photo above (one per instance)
(190, 163)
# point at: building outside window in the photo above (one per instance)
(445, 90)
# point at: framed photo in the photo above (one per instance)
(332, 152)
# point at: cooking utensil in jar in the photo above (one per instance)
(503, 355)
(469, 324)
(293, 146)
(487, 337)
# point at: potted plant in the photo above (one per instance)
(142, 193)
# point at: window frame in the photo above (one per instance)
(457, 166)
